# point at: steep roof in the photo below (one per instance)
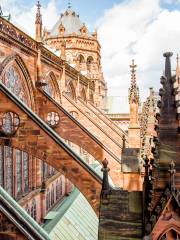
(19, 217)
(73, 220)
(70, 21)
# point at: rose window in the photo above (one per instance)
(53, 119)
(9, 123)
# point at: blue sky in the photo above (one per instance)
(127, 29)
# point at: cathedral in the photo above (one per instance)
(68, 169)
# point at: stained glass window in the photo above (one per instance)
(53, 119)
(13, 81)
(1, 166)
(10, 123)
(52, 195)
(47, 199)
(26, 171)
(9, 169)
(48, 88)
(33, 209)
(60, 188)
(19, 170)
(57, 190)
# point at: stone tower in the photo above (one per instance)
(79, 48)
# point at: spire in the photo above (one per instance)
(38, 23)
(133, 90)
(69, 4)
(177, 67)
(38, 14)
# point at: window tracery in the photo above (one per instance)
(19, 171)
(70, 91)
(1, 167)
(53, 119)
(13, 81)
(9, 170)
(9, 123)
(26, 171)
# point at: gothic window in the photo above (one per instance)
(57, 190)
(52, 195)
(47, 200)
(83, 95)
(90, 60)
(81, 59)
(60, 190)
(91, 97)
(19, 171)
(33, 209)
(70, 91)
(26, 171)
(9, 169)
(9, 123)
(13, 81)
(89, 63)
(1, 166)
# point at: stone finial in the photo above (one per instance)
(146, 166)
(38, 13)
(167, 55)
(133, 90)
(133, 71)
(105, 170)
(123, 142)
(38, 23)
(172, 172)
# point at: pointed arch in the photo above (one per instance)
(15, 75)
(70, 90)
(172, 231)
(81, 58)
(83, 94)
(52, 87)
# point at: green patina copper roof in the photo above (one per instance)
(17, 215)
(76, 220)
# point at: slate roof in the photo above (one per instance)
(71, 22)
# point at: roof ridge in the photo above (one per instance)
(13, 208)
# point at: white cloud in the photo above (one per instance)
(24, 17)
(141, 30)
